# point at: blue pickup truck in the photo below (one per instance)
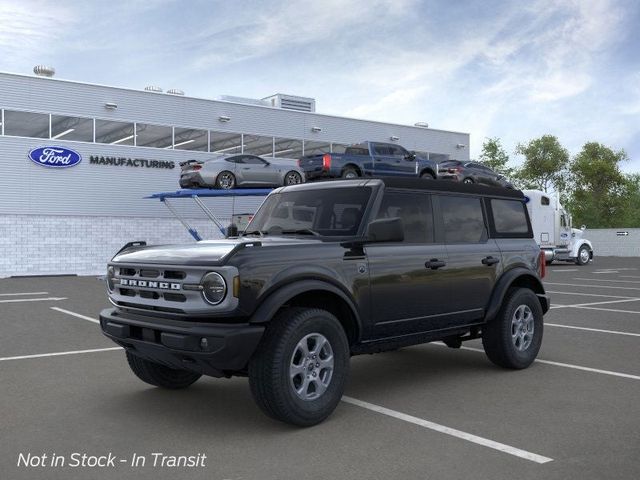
(368, 159)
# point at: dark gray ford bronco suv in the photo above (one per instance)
(329, 270)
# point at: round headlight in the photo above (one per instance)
(111, 272)
(214, 288)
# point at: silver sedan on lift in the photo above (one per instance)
(240, 170)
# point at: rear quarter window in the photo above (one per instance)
(510, 218)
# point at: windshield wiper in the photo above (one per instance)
(301, 231)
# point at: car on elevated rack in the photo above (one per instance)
(471, 172)
(244, 170)
(325, 271)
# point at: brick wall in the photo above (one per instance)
(53, 245)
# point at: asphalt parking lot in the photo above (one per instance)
(425, 412)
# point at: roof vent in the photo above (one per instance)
(44, 71)
(175, 91)
(291, 102)
(153, 88)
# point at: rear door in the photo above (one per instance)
(407, 291)
(383, 160)
(474, 260)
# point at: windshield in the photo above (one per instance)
(334, 212)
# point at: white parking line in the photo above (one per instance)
(24, 293)
(595, 303)
(562, 270)
(615, 332)
(629, 276)
(592, 286)
(48, 299)
(57, 354)
(62, 310)
(605, 280)
(533, 457)
(589, 294)
(610, 310)
(559, 364)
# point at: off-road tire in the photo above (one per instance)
(497, 334)
(269, 368)
(159, 375)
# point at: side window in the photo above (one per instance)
(397, 151)
(251, 160)
(381, 149)
(509, 216)
(415, 212)
(463, 219)
(544, 200)
(234, 160)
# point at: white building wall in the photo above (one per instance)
(607, 242)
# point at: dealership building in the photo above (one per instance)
(129, 144)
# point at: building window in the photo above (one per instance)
(190, 139)
(225, 143)
(287, 148)
(72, 128)
(115, 133)
(26, 124)
(257, 145)
(156, 136)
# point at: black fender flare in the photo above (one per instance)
(430, 171)
(275, 300)
(506, 281)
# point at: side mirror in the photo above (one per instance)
(583, 227)
(410, 156)
(385, 230)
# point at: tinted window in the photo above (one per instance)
(509, 216)
(397, 151)
(329, 212)
(382, 150)
(415, 212)
(26, 124)
(544, 200)
(235, 159)
(357, 151)
(463, 219)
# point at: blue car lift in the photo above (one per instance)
(196, 194)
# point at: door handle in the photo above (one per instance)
(490, 261)
(434, 264)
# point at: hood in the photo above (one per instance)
(204, 253)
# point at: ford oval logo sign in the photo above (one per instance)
(55, 157)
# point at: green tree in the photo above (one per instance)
(495, 157)
(601, 193)
(545, 166)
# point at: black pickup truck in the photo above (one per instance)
(368, 159)
(325, 271)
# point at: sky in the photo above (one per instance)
(509, 69)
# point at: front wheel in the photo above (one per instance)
(468, 180)
(300, 369)
(226, 180)
(583, 255)
(292, 178)
(514, 337)
(159, 375)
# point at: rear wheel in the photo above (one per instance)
(428, 175)
(300, 369)
(513, 338)
(159, 375)
(350, 172)
(468, 180)
(292, 178)
(225, 180)
(583, 255)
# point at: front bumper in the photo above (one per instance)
(179, 344)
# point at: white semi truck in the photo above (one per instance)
(553, 232)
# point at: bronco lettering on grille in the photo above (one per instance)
(147, 284)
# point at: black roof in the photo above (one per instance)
(449, 186)
(410, 183)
